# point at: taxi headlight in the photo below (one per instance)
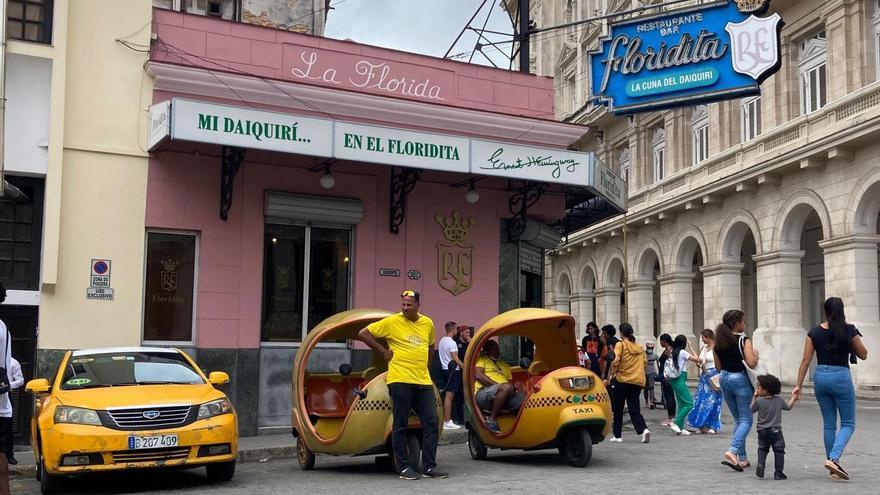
(214, 408)
(576, 383)
(76, 415)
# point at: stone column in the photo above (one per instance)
(677, 304)
(780, 335)
(585, 303)
(608, 306)
(722, 290)
(641, 303)
(851, 274)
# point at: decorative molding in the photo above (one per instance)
(848, 242)
(776, 257)
(722, 269)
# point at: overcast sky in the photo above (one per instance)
(421, 26)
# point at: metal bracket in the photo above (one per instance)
(402, 184)
(231, 161)
(519, 204)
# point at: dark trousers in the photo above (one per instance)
(668, 398)
(631, 395)
(406, 397)
(767, 438)
(6, 436)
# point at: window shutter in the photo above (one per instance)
(286, 207)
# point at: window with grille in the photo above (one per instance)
(21, 230)
(29, 20)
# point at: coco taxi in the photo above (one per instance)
(130, 408)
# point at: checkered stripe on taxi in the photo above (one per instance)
(602, 397)
(372, 405)
(545, 402)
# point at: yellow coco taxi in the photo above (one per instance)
(564, 406)
(340, 409)
(130, 408)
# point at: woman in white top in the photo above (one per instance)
(706, 414)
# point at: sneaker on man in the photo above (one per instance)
(779, 476)
(433, 473)
(409, 474)
(449, 425)
(12, 460)
(492, 425)
(759, 471)
(616, 440)
(646, 436)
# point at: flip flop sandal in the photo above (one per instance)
(732, 464)
(836, 470)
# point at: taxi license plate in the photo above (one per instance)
(151, 442)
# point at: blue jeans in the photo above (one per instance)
(835, 394)
(738, 392)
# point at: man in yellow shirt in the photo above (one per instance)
(494, 391)
(410, 337)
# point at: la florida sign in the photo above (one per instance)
(710, 52)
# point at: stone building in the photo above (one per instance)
(768, 204)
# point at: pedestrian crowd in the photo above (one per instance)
(730, 372)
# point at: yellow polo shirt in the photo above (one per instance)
(497, 371)
(409, 341)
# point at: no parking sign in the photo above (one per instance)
(99, 284)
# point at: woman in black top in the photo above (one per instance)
(833, 342)
(735, 384)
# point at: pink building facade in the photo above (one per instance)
(292, 177)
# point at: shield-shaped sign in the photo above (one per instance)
(168, 281)
(754, 45)
(455, 267)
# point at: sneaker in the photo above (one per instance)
(492, 425)
(12, 461)
(711, 431)
(780, 476)
(666, 422)
(685, 433)
(409, 474)
(759, 471)
(675, 428)
(616, 440)
(449, 425)
(646, 436)
(433, 473)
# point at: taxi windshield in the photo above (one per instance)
(128, 368)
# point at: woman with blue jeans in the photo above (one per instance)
(836, 343)
(735, 384)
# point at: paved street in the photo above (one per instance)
(682, 464)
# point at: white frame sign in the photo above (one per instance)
(390, 146)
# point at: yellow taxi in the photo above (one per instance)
(130, 408)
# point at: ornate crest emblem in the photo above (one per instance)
(282, 277)
(754, 45)
(455, 259)
(328, 279)
(752, 6)
(168, 276)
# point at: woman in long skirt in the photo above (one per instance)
(706, 414)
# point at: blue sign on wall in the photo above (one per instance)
(710, 52)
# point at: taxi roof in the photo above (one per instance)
(115, 350)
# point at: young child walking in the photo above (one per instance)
(769, 406)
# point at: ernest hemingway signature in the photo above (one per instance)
(532, 161)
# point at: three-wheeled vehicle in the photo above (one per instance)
(344, 408)
(565, 406)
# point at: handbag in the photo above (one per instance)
(755, 372)
(715, 382)
(4, 376)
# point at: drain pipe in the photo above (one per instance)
(2, 96)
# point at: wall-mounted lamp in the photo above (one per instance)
(472, 196)
(327, 180)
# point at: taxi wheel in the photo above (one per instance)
(577, 447)
(305, 456)
(477, 448)
(48, 483)
(221, 471)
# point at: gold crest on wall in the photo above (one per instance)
(455, 258)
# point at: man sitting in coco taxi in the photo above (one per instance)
(493, 388)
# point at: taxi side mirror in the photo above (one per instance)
(38, 386)
(218, 378)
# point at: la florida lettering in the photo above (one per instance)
(497, 162)
(256, 129)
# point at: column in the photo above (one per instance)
(585, 303)
(780, 335)
(608, 306)
(677, 304)
(851, 274)
(722, 290)
(641, 313)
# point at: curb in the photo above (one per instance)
(259, 454)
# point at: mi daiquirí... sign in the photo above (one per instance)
(707, 53)
(188, 120)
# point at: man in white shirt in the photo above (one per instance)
(16, 380)
(5, 362)
(448, 352)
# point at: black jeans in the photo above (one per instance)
(406, 397)
(767, 438)
(6, 436)
(668, 398)
(631, 395)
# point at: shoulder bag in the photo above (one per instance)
(755, 372)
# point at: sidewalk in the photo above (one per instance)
(250, 449)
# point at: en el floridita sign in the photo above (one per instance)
(188, 120)
(710, 52)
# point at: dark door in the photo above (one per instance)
(22, 324)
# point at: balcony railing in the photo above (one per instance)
(29, 20)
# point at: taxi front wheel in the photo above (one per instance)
(577, 447)
(476, 446)
(48, 483)
(221, 471)
(305, 456)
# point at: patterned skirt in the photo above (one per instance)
(707, 406)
